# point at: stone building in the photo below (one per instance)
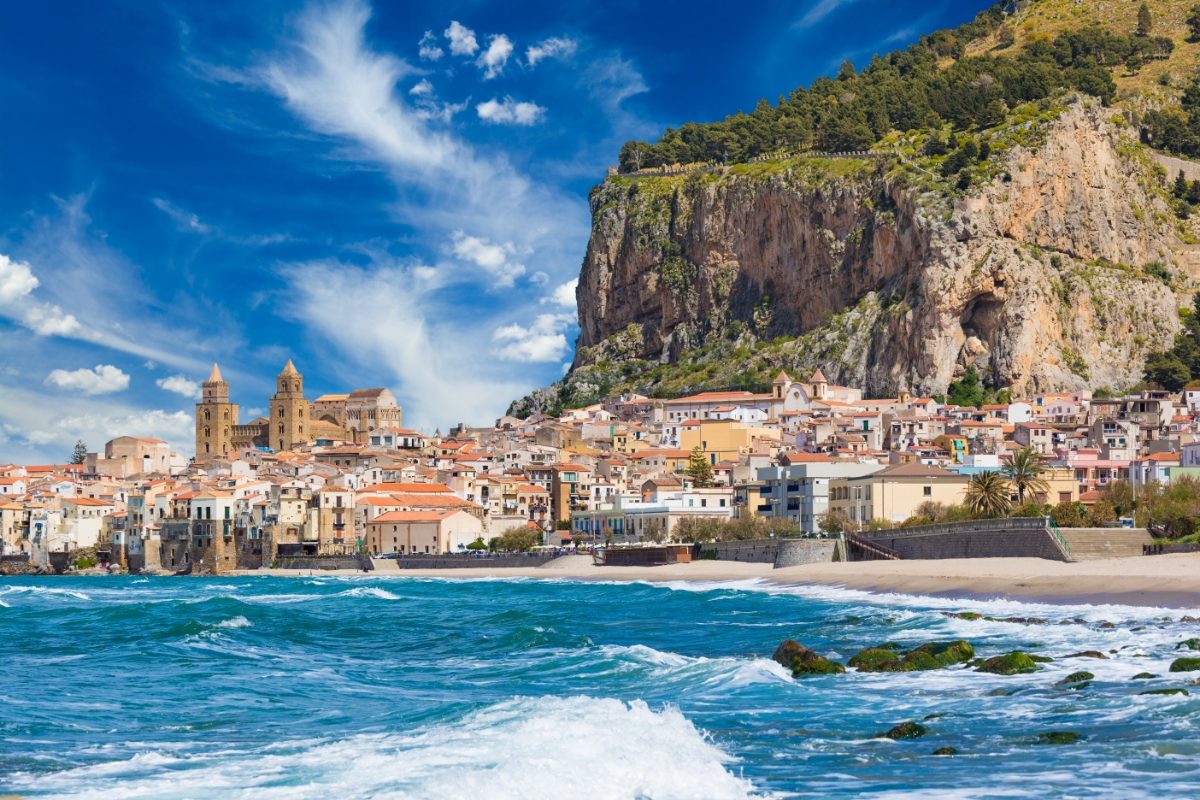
(289, 411)
(216, 417)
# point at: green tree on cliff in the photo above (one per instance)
(1145, 22)
(79, 453)
(1193, 23)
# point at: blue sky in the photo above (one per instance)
(390, 194)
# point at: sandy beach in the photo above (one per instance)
(1170, 581)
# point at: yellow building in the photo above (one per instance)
(895, 492)
(215, 418)
(723, 439)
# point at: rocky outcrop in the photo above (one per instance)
(884, 276)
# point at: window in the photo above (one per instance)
(928, 491)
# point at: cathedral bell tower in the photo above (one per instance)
(288, 426)
(215, 418)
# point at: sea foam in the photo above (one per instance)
(546, 747)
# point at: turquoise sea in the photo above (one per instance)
(324, 687)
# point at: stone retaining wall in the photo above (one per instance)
(794, 552)
(323, 562)
(1011, 538)
(780, 552)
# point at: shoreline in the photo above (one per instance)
(1167, 581)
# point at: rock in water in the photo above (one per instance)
(945, 751)
(1014, 663)
(802, 661)
(1058, 737)
(928, 656)
(1077, 677)
(1185, 665)
(905, 730)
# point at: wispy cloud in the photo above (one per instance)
(819, 11)
(554, 47)
(186, 221)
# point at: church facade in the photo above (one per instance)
(292, 421)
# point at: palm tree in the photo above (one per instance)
(987, 494)
(1024, 473)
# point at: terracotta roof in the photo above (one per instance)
(428, 515)
(409, 488)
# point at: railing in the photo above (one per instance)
(1057, 533)
(873, 550)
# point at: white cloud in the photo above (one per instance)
(510, 112)
(539, 278)
(104, 379)
(180, 385)
(462, 39)
(17, 283)
(493, 60)
(565, 295)
(16, 280)
(428, 48)
(488, 256)
(423, 87)
(185, 220)
(544, 340)
(554, 47)
(174, 427)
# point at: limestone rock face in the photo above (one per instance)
(1037, 277)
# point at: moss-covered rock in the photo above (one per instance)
(1077, 677)
(1172, 690)
(943, 654)
(928, 656)
(1144, 676)
(875, 659)
(1058, 737)
(945, 751)
(802, 661)
(1185, 665)
(1088, 654)
(1040, 659)
(967, 615)
(905, 730)
(1189, 644)
(1014, 663)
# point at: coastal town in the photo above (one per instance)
(338, 476)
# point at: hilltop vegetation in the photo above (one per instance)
(968, 78)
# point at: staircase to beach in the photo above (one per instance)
(1091, 544)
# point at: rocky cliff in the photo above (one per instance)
(1057, 266)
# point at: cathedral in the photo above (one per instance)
(292, 420)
